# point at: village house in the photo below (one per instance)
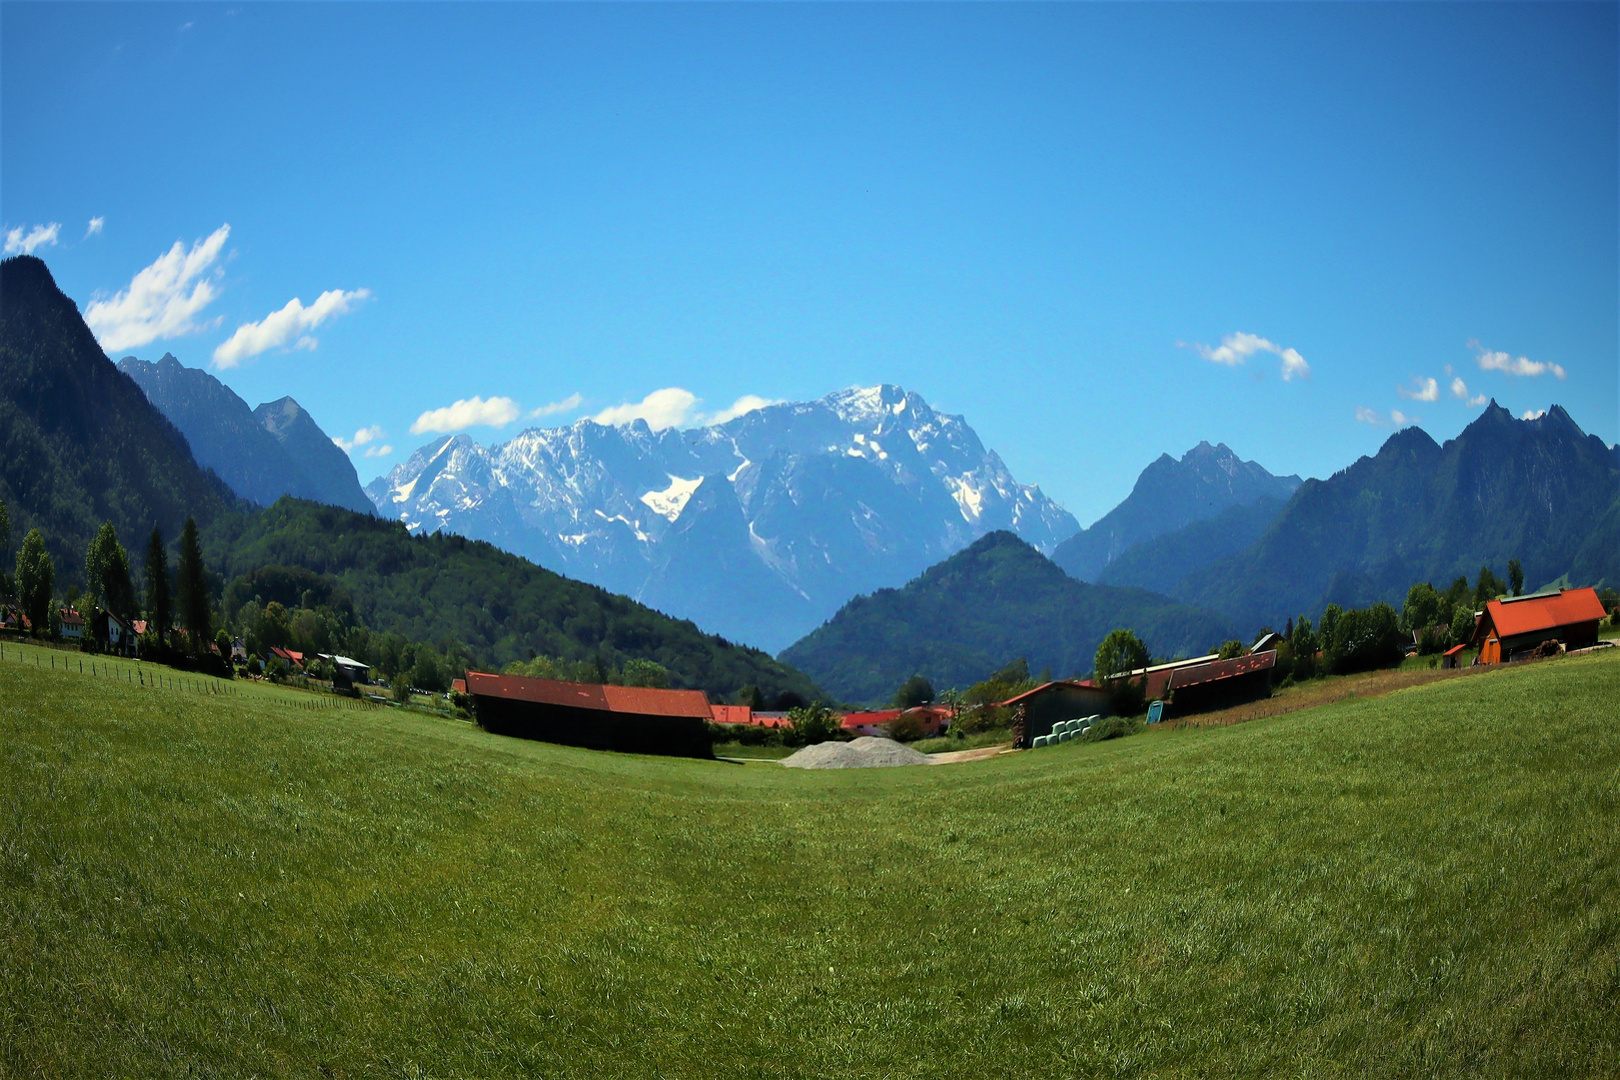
(72, 624)
(1512, 627)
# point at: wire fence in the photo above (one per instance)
(135, 673)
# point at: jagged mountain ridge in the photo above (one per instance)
(264, 453)
(1169, 495)
(859, 490)
(1541, 491)
(79, 442)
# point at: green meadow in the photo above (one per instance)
(1425, 883)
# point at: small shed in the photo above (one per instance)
(1064, 699)
(1510, 628)
(1452, 657)
(631, 719)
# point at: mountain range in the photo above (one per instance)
(1170, 495)
(80, 444)
(264, 453)
(758, 528)
(996, 601)
(1538, 490)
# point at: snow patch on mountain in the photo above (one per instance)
(828, 499)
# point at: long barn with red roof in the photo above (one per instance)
(633, 719)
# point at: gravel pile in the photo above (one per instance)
(866, 752)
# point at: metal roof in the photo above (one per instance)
(1222, 669)
(1548, 611)
(637, 700)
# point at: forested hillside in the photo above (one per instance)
(499, 606)
(993, 602)
(79, 442)
(1160, 564)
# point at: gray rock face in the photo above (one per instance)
(1169, 495)
(329, 475)
(261, 454)
(757, 529)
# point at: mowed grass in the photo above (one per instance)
(1424, 883)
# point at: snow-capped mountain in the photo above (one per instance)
(758, 529)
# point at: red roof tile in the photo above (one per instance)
(732, 714)
(1530, 614)
(642, 701)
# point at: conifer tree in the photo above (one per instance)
(159, 608)
(193, 588)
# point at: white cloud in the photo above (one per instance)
(1236, 349)
(163, 300)
(1367, 416)
(746, 404)
(473, 412)
(1533, 414)
(19, 242)
(1400, 419)
(1459, 390)
(280, 327)
(361, 437)
(96, 224)
(567, 404)
(669, 407)
(379, 451)
(1422, 390)
(675, 407)
(1505, 362)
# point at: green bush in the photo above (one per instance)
(907, 727)
(814, 724)
(1128, 697)
(1112, 727)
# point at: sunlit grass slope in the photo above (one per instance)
(1421, 884)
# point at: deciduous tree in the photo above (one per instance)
(913, 692)
(1121, 651)
(36, 581)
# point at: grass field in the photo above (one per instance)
(1423, 883)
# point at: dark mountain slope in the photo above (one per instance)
(79, 442)
(328, 474)
(1169, 495)
(262, 454)
(1534, 490)
(1160, 564)
(995, 601)
(221, 430)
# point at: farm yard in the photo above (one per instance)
(1421, 882)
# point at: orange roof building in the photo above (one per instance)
(631, 719)
(1511, 627)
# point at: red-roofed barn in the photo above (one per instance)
(1511, 627)
(631, 719)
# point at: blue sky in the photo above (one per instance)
(1047, 218)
